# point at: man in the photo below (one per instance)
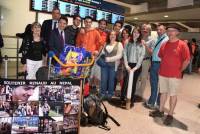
(22, 93)
(95, 71)
(49, 25)
(175, 57)
(58, 37)
(90, 39)
(155, 65)
(72, 31)
(117, 27)
(103, 31)
(149, 46)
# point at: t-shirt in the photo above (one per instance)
(172, 55)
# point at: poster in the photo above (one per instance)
(40, 106)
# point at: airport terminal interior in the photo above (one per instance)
(138, 58)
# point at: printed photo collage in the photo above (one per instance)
(39, 109)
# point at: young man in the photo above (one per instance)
(117, 27)
(175, 57)
(72, 31)
(155, 65)
(90, 39)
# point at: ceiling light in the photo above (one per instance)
(166, 16)
(135, 18)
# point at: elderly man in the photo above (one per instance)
(175, 57)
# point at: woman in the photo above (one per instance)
(33, 47)
(121, 68)
(134, 53)
(112, 51)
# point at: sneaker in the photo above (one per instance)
(168, 120)
(149, 106)
(156, 113)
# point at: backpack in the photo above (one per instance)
(93, 113)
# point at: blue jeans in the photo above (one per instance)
(154, 84)
(107, 80)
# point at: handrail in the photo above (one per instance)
(9, 36)
(17, 55)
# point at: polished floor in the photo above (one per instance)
(137, 121)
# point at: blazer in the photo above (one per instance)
(55, 43)
(46, 30)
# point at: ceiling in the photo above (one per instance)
(188, 16)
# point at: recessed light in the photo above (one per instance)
(166, 16)
(135, 18)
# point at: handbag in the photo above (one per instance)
(101, 61)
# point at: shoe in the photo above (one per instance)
(156, 113)
(132, 104)
(168, 120)
(149, 106)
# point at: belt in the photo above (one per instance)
(156, 61)
(147, 58)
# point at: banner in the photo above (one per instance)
(40, 106)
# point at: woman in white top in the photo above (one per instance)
(113, 51)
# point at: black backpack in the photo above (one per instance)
(93, 113)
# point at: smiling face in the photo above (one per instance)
(36, 29)
(22, 93)
(88, 23)
(113, 36)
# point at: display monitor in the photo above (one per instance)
(67, 8)
(116, 17)
(87, 11)
(103, 15)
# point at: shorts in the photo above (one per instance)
(169, 85)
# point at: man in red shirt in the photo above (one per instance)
(175, 57)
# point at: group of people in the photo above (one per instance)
(118, 52)
(26, 109)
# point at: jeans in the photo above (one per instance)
(154, 84)
(107, 80)
(125, 84)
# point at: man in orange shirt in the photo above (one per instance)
(90, 39)
(103, 31)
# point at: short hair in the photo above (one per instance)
(161, 25)
(103, 20)
(194, 40)
(120, 22)
(63, 18)
(75, 16)
(56, 8)
(88, 17)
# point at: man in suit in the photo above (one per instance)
(58, 36)
(49, 25)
